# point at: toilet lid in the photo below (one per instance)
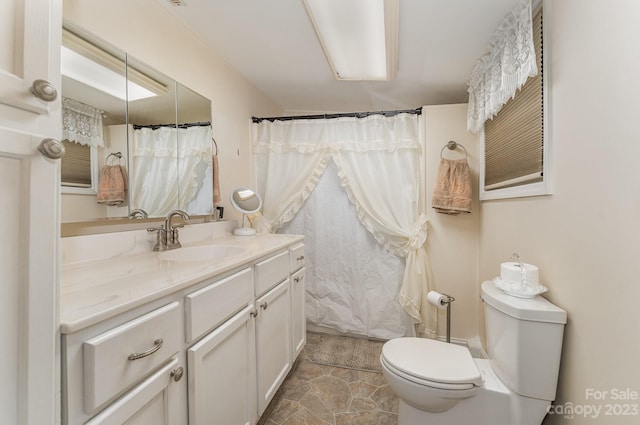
(433, 361)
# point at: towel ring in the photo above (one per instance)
(215, 144)
(451, 145)
(114, 154)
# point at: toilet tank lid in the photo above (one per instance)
(537, 309)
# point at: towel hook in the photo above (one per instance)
(451, 145)
(114, 154)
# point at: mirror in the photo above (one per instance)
(247, 202)
(155, 130)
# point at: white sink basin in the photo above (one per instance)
(212, 253)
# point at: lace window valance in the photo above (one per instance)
(504, 69)
(81, 123)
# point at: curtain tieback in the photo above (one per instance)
(419, 233)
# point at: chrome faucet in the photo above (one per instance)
(138, 213)
(167, 233)
(172, 230)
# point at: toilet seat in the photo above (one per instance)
(432, 363)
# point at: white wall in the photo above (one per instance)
(146, 30)
(452, 242)
(586, 236)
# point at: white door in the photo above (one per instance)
(273, 342)
(28, 246)
(222, 389)
(26, 44)
(29, 192)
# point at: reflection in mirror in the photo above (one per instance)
(247, 202)
(94, 98)
(156, 105)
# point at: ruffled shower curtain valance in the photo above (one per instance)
(378, 162)
(504, 69)
(81, 123)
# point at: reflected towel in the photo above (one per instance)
(112, 185)
(216, 181)
(452, 190)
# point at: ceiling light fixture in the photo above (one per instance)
(87, 63)
(359, 37)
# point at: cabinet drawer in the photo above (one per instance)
(210, 306)
(110, 363)
(296, 257)
(272, 271)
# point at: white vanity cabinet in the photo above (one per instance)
(230, 335)
(151, 402)
(222, 364)
(126, 368)
(298, 299)
(222, 380)
(273, 342)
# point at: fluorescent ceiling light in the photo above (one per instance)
(359, 37)
(90, 65)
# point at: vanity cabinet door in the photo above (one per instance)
(298, 318)
(222, 380)
(273, 341)
(149, 403)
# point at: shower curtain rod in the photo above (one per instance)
(416, 111)
(185, 125)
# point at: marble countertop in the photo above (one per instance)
(99, 289)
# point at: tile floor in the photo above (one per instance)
(316, 394)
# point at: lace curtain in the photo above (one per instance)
(81, 123)
(378, 163)
(504, 69)
(171, 168)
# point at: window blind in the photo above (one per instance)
(514, 142)
(76, 165)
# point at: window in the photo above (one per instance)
(79, 169)
(514, 143)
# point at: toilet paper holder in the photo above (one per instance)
(448, 302)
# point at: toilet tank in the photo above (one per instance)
(524, 341)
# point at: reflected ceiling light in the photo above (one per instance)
(85, 62)
(359, 37)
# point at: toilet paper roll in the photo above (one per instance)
(437, 299)
(512, 271)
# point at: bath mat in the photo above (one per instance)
(345, 352)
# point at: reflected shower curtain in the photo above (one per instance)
(172, 169)
(377, 161)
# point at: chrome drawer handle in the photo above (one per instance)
(157, 344)
(300, 258)
(296, 279)
(264, 305)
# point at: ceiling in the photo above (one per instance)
(273, 44)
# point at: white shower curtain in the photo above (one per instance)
(171, 168)
(378, 164)
(352, 281)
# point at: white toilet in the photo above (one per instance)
(440, 383)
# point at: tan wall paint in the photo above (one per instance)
(452, 244)
(586, 236)
(146, 30)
